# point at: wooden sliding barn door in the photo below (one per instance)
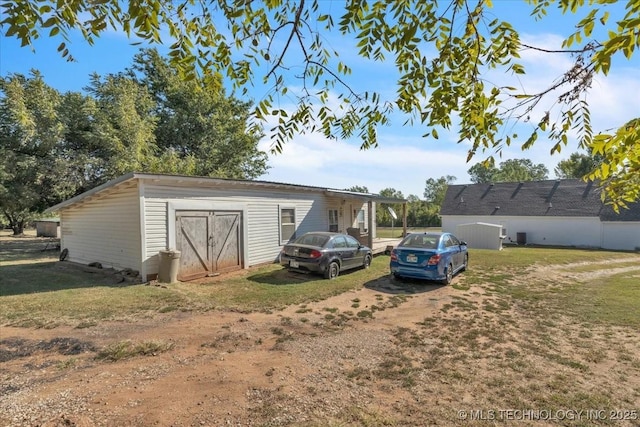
(227, 241)
(209, 241)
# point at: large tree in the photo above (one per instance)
(436, 189)
(124, 125)
(198, 123)
(383, 215)
(442, 52)
(512, 170)
(53, 146)
(32, 176)
(578, 165)
(421, 213)
(434, 193)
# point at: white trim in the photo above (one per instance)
(143, 231)
(207, 205)
(283, 242)
(337, 223)
(364, 220)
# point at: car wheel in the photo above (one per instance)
(448, 278)
(332, 271)
(367, 261)
(465, 265)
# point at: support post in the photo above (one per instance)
(370, 223)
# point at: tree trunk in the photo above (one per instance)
(18, 228)
(15, 224)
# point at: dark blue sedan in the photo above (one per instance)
(430, 256)
(325, 253)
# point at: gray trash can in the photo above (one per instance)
(169, 265)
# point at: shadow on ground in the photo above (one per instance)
(16, 249)
(30, 265)
(388, 285)
(289, 277)
(22, 279)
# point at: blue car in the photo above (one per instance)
(430, 256)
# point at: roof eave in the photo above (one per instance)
(202, 180)
(93, 191)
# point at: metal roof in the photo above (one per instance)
(210, 182)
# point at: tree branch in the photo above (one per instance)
(587, 48)
(294, 31)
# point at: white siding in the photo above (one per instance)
(105, 229)
(621, 235)
(561, 231)
(260, 216)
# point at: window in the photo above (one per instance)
(361, 225)
(351, 242)
(333, 220)
(339, 242)
(287, 224)
(448, 242)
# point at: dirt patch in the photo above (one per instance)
(393, 353)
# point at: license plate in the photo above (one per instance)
(412, 258)
(293, 264)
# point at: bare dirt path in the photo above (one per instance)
(389, 354)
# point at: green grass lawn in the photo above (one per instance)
(36, 291)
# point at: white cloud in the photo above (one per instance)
(314, 160)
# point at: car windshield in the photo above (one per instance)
(424, 241)
(312, 240)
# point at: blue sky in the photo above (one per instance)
(403, 160)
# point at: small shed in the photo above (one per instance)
(481, 235)
(48, 227)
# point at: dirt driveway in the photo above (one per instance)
(389, 354)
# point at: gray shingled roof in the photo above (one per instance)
(552, 198)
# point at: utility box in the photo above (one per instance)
(169, 266)
(521, 238)
(481, 235)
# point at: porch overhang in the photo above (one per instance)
(370, 198)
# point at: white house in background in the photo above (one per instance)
(565, 212)
(218, 225)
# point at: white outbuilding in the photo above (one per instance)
(481, 235)
(216, 225)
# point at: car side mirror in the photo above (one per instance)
(463, 243)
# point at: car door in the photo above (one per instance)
(343, 250)
(355, 254)
(453, 246)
